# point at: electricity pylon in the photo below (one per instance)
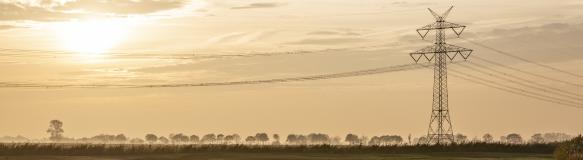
(440, 128)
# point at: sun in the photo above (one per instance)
(92, 36)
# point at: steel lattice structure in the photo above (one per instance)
(440, 128)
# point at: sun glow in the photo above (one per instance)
(92, 36)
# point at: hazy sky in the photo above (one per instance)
(86, 36)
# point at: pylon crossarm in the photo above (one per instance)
(441, 25)
(423, 35)
(454, 48)
(416, 57)
(460, 32)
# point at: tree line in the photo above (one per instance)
(56, 131)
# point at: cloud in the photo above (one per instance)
(50, 10)
(552, 42)
(326, 41)
(333, 33)
(259, 5)
(122, 7)
(411, 4)
(242, 37)
(7, 27)
(17, 11)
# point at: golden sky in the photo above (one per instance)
(138, 42)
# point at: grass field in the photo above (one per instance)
(293, 156)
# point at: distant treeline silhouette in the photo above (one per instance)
(110, 144)
(56, 132)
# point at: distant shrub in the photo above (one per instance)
(570, 150)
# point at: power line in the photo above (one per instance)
(577, 96)
(524, 59)
(505, 78)
(513, 90)
(358, 73)
(529, 73)
(34, 53)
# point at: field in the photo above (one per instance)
(64, 151)
(292, 156)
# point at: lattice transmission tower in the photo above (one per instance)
(440, 128)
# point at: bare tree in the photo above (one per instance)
(151, 138)
(488, 138)
(56, 130)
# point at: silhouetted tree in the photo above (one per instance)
(363, 140)
(164, 140)
(179, 138)
(137, 141)
(276, 139)
(11, 139)
(209, 138)
(194, 139)
(120, 138)
(220, 138)
(514, 138)
(318, 138)
(352, 139)
(229, 139)
(460, 138)
(336, 140)
(302, 140)
(250, 140)
(56, 130)
(375, 141)
(421, 140)
(236, 138)
(556, 137)
(488, 138)
(262, 137)
(537, 138)
(570, 150)
(292, 139)
(151, 138)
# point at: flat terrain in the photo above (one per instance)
(293, 156)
